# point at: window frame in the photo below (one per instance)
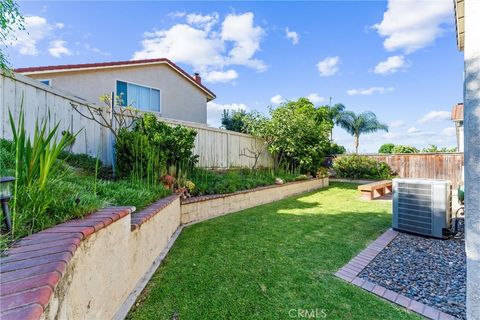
(159, 112)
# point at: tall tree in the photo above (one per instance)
(234, 120)
(358, 124)
(10, 21)
(334, 113)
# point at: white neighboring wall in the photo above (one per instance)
(472, 155)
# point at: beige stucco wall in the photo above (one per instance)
(202, 210)
(108, 265)
(179, 98)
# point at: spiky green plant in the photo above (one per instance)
(35, 160)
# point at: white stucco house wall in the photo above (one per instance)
(467, 16)
(154, 85)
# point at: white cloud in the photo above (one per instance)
(396, 124)
(215, 111)
(208, 51)
(391, 65)
(413, 130)
(96, 50)
(36, 29)
(292, 36)
(390, 135)
(205, 22)
(435, 116)
(221, 76)
(58, 48)
(369, 91)
(315, 98)
(328, 66)
(246, 37)
(182, 43)
(449, 132)
(410, 25)
(177, 14)
(277, 99)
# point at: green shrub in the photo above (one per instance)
(152, 147)
(229, 181)
(80, 160)
(361, 167)
(434, 148)
(386, 148)
(176, 142)
(301, 177)
(296, 134)
(69, 196)
(234, 120)
(337, 149)
(404, 149)
(138, 158)
(88, 164)
(7, 156)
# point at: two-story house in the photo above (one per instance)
(155, 85)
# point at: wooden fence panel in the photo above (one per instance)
(447, 166)
(216, 148)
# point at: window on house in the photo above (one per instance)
(46, 81)
(141, 97)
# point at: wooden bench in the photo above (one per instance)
(375, 189)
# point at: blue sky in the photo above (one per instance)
(395, 58)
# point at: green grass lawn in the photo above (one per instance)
(263, 262)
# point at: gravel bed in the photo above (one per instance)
(432, 271)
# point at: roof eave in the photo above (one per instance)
(460, 22)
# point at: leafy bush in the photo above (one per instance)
(234, 120)
(87, 164)
(176, 142)
(296, 134)
(7, 156)
(386, 148)
(361, 167)
(220, 182)
(301, 177)
(82, 161)
(404, 149)
(434, 148)
(152, 147)
(337, 149)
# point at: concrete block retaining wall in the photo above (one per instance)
(206, 207)
(95, 267)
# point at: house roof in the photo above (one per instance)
(457, 112)
(114, 64)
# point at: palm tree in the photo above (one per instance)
(357, 124)
(334, 114)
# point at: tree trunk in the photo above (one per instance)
(356, 143)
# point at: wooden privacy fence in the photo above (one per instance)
(447, 166)
(216, 148)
